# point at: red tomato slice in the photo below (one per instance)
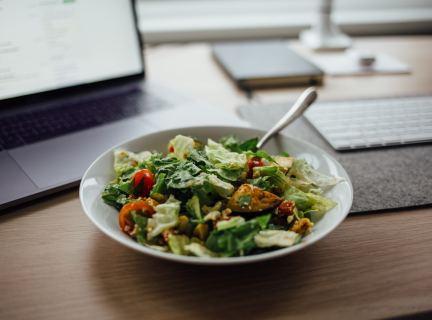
(148, 181)
(141, 207)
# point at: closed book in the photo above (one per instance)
(266, 63)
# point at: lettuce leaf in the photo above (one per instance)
(231, 223)
(236, 241)
(200, 159)
(222, 158)
(193, 207)
(276, 177)
(177, 244)
(308, 179)
(280, 238)
(261, 183)
(232, 143)
(182, 146)
(200, 251)
(142, 225)
(308, 201)
(223, 188)
(167, 215)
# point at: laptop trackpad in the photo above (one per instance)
(65, 159)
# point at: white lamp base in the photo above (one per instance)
(317, 40)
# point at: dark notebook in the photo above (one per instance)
(267, 63)
(383, 178)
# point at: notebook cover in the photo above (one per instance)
(265, 63)
(383, 178)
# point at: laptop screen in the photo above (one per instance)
(53, 44)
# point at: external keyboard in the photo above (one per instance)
(33, 126)
(370, 123)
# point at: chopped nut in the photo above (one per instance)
(167, 233)
(301, 226)
(256, 174)
(134, 232)
(290, 219)
(226, 212)
(216, 207)
(201, 231)
(214, 215)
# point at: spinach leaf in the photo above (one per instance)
(263, 221)
(249, 145)
(160, 186)
(235, 241)
(200, 159)
(231, 143)
(261, 183)
(129, 187)
(142, 225)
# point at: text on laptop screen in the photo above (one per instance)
(51, 44)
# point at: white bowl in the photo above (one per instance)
(101, 172)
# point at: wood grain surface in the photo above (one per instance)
(55, 264)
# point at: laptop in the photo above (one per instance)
(72, 85)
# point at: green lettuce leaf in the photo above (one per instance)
(231, 223)
(193, 207)
(261, 183)
(308, 201)
(177, 244)
(167, 215)
(200, 159)
(276, 177)
(182, 146)
(236, 241)
(142, 225)
(308, 179)
(200, 251)
(223, 188)
(222, 158)
(280, 238)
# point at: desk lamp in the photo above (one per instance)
(324, 34)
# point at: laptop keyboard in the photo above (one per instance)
(33, 126)
(373, 123)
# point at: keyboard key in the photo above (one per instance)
(373, 142)
(358, 143)
(417, 137)
(345, 135)
(391, 140)
(342, 144)
(33, 126)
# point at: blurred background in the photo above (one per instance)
(196, 20)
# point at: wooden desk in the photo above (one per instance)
(55, 264)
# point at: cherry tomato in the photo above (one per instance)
(141, 207)
(148, 181)
(252, 163)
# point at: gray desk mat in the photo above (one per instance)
(383, 178)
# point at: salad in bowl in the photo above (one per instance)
(216, 199)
